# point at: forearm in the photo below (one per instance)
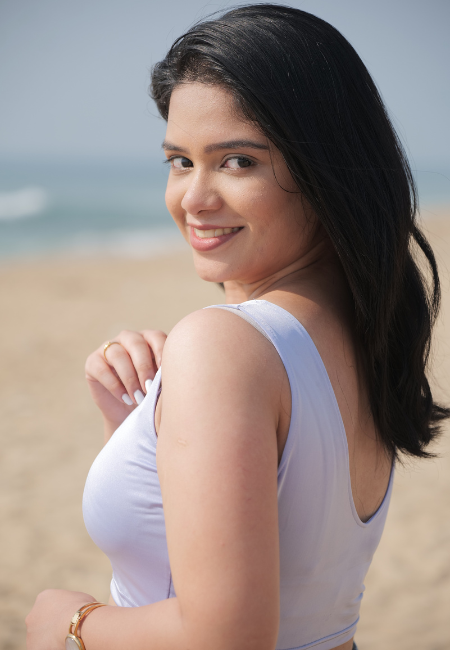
(154, 627)
(163, 626)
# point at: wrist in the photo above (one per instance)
(110, 426)
(113, 422)
(73, 640)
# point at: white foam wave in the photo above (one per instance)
(27, 202)
(136, 244)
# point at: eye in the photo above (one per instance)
(179, 162)
(238, 162)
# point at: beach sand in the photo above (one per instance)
(54, 313)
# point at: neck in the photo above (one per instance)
(308, 269)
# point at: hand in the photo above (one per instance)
(119, 384)
(49, 620)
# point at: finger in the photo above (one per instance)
(118, 358)
(98, 370)
(156, 340)
(141, 355)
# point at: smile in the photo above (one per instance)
(206, 240)
(218, 232)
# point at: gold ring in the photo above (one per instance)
(106, 346)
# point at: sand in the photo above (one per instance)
(54, 313)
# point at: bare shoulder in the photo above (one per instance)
(212, 322)
(216, 348)
(209, 336)
(216, 367)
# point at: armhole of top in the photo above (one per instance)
(155, 384)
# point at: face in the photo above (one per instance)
(226, 190)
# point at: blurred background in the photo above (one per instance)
(80, 160)
(87, 248)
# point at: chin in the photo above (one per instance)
(212, 271)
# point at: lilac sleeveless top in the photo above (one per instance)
(325, 549)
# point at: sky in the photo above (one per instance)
(74, 75)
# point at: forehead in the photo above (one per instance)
(202, 112)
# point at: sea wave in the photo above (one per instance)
(137, 244)
(27, 202)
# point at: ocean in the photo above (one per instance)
(84, 208)
(91, 207)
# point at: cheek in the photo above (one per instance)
(279, 224)
(254, 199)
(267, 207)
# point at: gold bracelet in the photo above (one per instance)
(73, 640)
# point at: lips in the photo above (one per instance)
(210, 237)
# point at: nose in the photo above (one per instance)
(201, 194)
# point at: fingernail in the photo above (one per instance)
(148, 384)
(139, 396)
(127, 399)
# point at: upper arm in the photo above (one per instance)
(217, 462)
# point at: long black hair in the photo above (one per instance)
(302, 82)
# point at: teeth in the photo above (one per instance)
(205, 234)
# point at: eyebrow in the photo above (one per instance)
(230, 144)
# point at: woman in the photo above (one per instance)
(272, 443)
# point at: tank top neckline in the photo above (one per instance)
(336, 409)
